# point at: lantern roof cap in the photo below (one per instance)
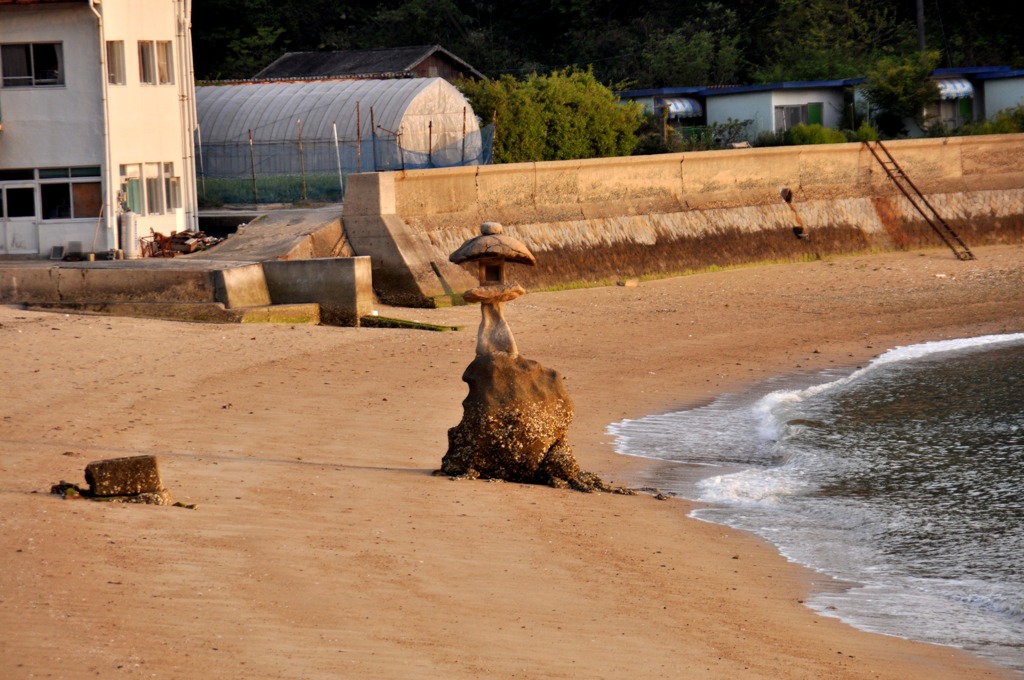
(492, 244)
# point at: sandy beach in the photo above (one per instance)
(323, 547)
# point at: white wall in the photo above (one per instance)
(1004, 93)
(756, 106)
(146, 121)
(760, 107)
(54, 125)
(86, 122)
(831, 98)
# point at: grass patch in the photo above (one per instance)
(388, 322)
(320, 188)
(656, 276)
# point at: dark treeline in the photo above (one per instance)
(643, 43)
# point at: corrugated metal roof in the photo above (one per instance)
(378, 61)
(271, 110)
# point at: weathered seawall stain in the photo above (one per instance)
(595, 220)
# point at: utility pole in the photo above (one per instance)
(920, 25)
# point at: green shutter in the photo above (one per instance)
(966, 109)
(814, 111)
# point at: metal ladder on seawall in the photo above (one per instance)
(917, 199)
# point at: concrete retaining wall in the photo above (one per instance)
(342, 286)
(241, 285)
(603, 219)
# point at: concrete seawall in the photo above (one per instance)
(603, 219)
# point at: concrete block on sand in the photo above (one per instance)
(124, 476)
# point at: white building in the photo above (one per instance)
(776, 107)
(97, 108)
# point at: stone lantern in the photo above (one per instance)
(515, 420)
(491, 250)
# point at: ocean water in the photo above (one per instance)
(901, 482)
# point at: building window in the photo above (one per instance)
(172, 187)
(164, 63)
(147, 62)
(17, 174)
(18, 202)
(131, 189)
(787, 117)
(32, 64)
(154, 190)
(77, 197)
(115, 62)
(149, 188)
(156, 62)
(86, 199)
(807, 114)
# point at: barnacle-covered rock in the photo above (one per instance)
(515, 426)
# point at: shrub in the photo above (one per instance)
(769, 138)
(814, 134)
(565, 115)
(865, 133)
(1007, 121)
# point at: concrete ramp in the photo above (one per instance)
(284, 235)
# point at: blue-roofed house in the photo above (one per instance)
(965, 94)
(684, 105)
(1001, 89)
(776, 107)
(974, 93)
(772, 107)
(957, 103)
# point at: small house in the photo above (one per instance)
(776, 107)
(679, 105)
(1001, 89)
(974, 93)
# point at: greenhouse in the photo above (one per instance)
(289, 141)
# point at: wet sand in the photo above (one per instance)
(322, 546)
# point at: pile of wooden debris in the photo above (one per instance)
(179, 242)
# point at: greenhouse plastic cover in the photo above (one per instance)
(426, 112)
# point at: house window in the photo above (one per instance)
(147, 62)
(32, 64)
(807, 114)
(164, 63)
(115, 62)
(77, 197)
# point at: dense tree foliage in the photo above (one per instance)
(576, 45)
(560, 116)
(900, 89)
(647, 43)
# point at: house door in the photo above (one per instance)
(18, 223)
